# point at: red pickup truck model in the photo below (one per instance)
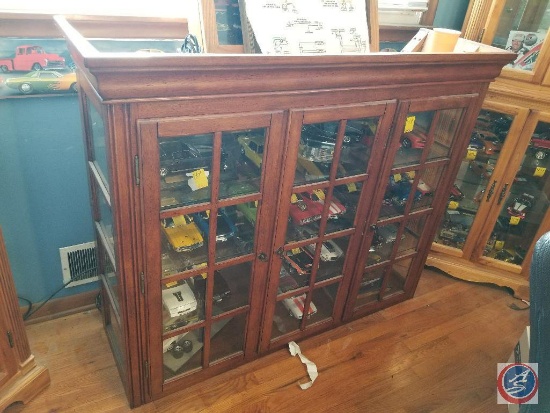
(29, 57)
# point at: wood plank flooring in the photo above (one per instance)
(435, 353)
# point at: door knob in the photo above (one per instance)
(262, 256)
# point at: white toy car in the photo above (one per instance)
(179, 300)
(295, 305)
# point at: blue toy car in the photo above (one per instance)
(225, 228)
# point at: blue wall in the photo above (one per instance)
(450, 14)
(43, 190)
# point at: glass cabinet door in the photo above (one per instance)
(205, 178)
(522, 28)
(525, 207)
(400, 221)
(475, 188)
(322, 206)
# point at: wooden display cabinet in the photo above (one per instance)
(245, 201)
(491, 238)
(20, 377)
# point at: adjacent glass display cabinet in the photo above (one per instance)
(245, 201)
(498, 206)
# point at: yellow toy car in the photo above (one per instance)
(252, 148)
(182, 233)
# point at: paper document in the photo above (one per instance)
(309, 27)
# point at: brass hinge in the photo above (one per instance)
(10, 338)
(136, 170)
(142, 282)
(146, 368)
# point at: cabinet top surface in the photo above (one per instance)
(123, 75)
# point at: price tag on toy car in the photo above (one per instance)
(320, 194)
(199, 179)
(539, 171)
(293, 199)
(515, 220)
(295, 251)
(471, 154)
(499, 245)
(453, 205)
(351, 187)
(409, 124)
(397, 177)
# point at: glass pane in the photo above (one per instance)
(527, 202)
(324, 303)
(184, 244)
(242, 155)
(396, 279)
(345, 199)
(235, 230)
(287, 282)
(370, 287)
(231, 287)
(287, 316)
(185, 165)
(316, 151)
(227, 337)
(111, 278)
(99, 144)
(384, 240)
(331, 263)
(106, 220)
(411, 235)
(357, 145)
(228, 22)
(298, 262)
(414, 138)
(473, 178)
(521, 29)
(428, 179)
(398, 193)
(444, 133)
(180, 305)
(182, 353)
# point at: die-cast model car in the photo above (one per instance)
(295, 306)
(179, 300)
(414, 139)
(225, 228)
(298, 261)
(304, 210)
(182, 233)
(521, 205)
(252, 148)
(178, 156)
(336, 208)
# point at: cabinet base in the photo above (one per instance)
(468, 271)
(24, 387)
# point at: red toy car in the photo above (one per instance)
(304, 210)
(318, 196)
(414, 139)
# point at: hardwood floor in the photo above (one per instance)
(435, 353)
